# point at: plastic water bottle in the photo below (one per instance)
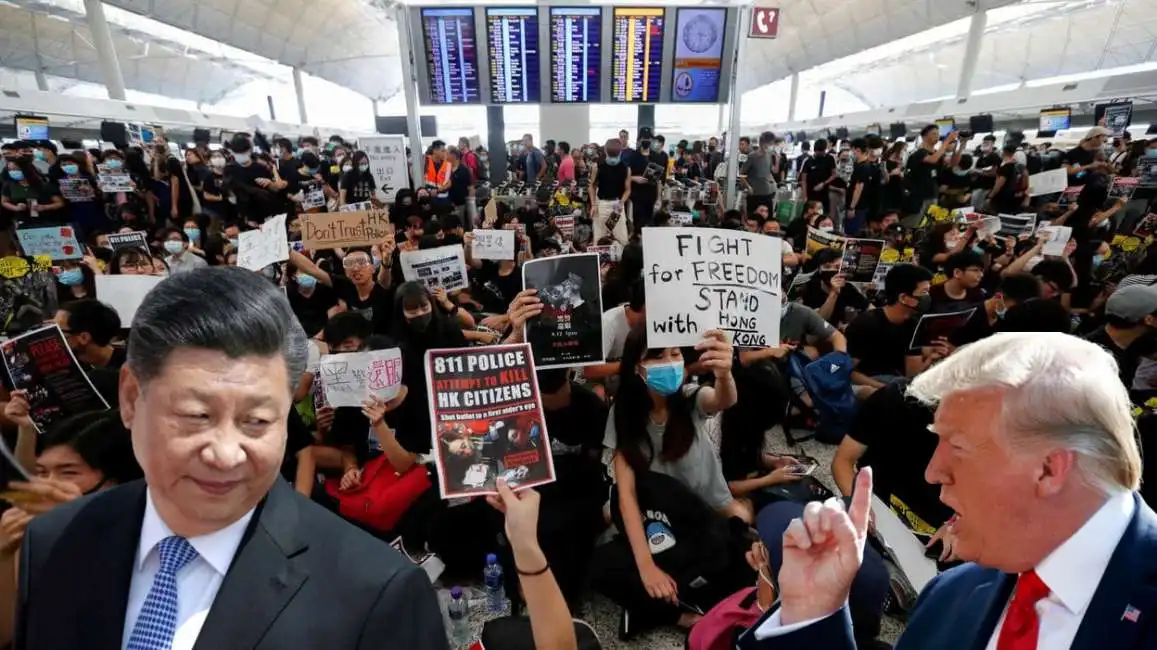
(459, 610)
(495, 592)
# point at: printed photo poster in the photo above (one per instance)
(1123, 187)
(121, 241)
(565, 225)
(41, 363)
(818, 240)
(1016, 225)
(681, 219)
(56, 242)
(938, 326)
(443, 267)
(861, 257)
(1058, 238)
(493, 245)
(77, 189)
(110, 181)
(350, 378)
(487, 420)
(609, 254)
(1146, 172)
(702, 279)
(569, 331)
(1146, 226)
(1069, 196)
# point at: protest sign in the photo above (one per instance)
(493, 245)
(861, 256)
(1058, 237)
(269, 244)
(443, 267)
(362, 206)
(350, 378)
(608, 254)
(387, 154)
(1147, 226)
(345, 229)
(818, 240)
(701, 279)
(565, 226)
(1147, 172)
(56, 242)
(135, 240)
(1069, 196)
(13, 267)
(41, 363)
(1050, 182)
(77, 189)
(487, 420)
(313, 197)
(1123, 187)
(938, 326)
(113, 181)
(988, 227)
(1015, 225)
(124, 293)
(569, 331)
(681, 219)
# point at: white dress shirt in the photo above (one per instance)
(197, 583)
(1072, 572)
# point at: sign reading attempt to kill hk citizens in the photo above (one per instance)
(700, 279)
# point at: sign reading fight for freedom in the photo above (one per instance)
(345, 229)
(700, 279)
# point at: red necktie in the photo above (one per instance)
(1021, 624)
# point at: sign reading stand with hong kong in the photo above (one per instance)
(700, 279)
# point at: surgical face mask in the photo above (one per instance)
(16, 175)
(826, 228)
(1097, 260)
(217, 163)
(347, 169)
(826, 276)
(38, 154)
(174, 247)
(664, 378)
(314, 170)
(364, 167)
(613, 160)
(71, 277)
(233, 242)
(1149, 153)
(241, 158)
(1002, 310)
(338, 157)
(114, 163)
(978, 250)
(71, 170)
(961, 172)
(306, 281)
(193, 234)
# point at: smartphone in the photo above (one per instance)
(805, 468)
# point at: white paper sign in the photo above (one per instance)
(113, 181)
(124, 293)
(260, 248)
(1053, 181)
(350, 378)
(565, 226)
(988, 227)
(387, 155)
(313, 199)
(1058, 238)
(681, 219)
(700, 279)
(364, 206)
(443, 267)
(493, 245)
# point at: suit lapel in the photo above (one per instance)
(986, 604)
(263, 578)
(1127, 587)
(108, 561)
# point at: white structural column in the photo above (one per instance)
(41, 81)
(794, 96)
(410, 90)
(722, 114)
(299, 88)
(736, 96)
(972, 51)
(110, 68)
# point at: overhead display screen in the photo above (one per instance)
(512, 42)
(451, 55)
(1055, 119)
(576, 47)
(638, 54)
(698, 55)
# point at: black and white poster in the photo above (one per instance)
(41, 363)
(569, 331)
(136, 240)
(933, 327)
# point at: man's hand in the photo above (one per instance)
(12, 525)
(351, 479)
(17, 409)
(782, 475)
(822, 551)
(497, 322)
(837, 284)
(44, 494)
(658, 584)
(525, 306)
(717, 353)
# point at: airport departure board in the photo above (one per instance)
(576, 47)
(638, 54)
(512, 42)
(451, 55)
(698, 54)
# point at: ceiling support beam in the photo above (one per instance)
(972, 52)
(110, 68)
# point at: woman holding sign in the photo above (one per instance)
(657, 426)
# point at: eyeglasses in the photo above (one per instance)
(355, 263)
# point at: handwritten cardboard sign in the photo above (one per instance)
(493, 245)
(349, 379)
(345, 229)
(57, 242)
(700, 279)
(267, 245)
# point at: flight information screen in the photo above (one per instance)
(638, 54)
(576, 38)
(451, 55)
(698, 54)
(512, 42)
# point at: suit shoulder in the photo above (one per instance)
(355, 554)
(956, 582)
(88, 512)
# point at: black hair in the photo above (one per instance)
(638, 300)
(1020, 287)
(821, 145)
(564, 147)
(963, 260)
(450, 222)
(552, 380)
(1008, 149)
(180, 232)
(225, 309)
(1057, 272)
(860, 143)
(309, 159)
(347, 325)
(965, 161)
(633, 406)
(100, 321)
(927, 129)
(1037, 315)
(100, 439)
(744, 140)
(903, 280)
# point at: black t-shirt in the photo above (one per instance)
(576, 440)
(818, 170)
(900, 446)
(893, 188)
(815, 295)
(359, 186)
(1127, 361)
(921, 176)
(460, 181)
(865, 173)
(499, 289)
(942, 303)
(879, 345)
(312, 311)
(645, 192)
(1079, 156)
(1007, 195)
(984, 161)
(610, 181)
(376, 308)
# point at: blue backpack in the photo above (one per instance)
(829, 382)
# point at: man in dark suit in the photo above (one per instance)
(213, 550)
(1038, 458)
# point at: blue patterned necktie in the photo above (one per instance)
(157, 622)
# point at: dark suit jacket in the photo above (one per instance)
(959, 609)
(301, 579)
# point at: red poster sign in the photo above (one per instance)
(764, 22)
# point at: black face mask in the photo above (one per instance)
(826, 276)
(420, 323)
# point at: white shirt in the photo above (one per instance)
(197, 583)
(1072, 572)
